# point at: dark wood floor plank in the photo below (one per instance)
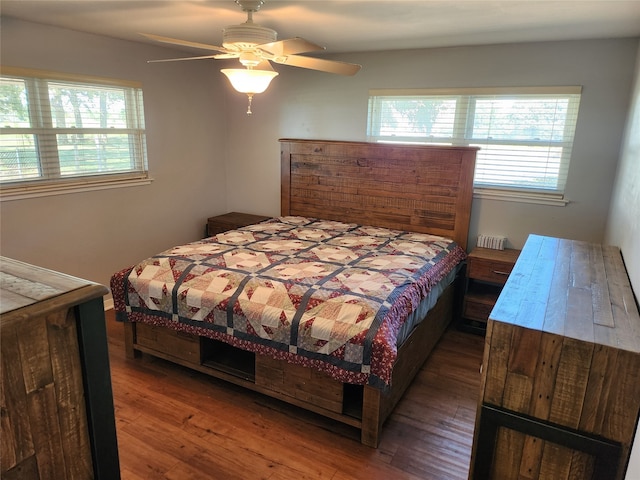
(173, 423)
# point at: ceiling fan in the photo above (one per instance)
(256, 46)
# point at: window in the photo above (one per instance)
(525, 135)
(59, 132)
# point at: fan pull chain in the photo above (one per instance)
(249, 112)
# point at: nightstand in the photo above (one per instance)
(231, 221)
(487, 272)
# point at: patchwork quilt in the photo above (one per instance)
(324, 294)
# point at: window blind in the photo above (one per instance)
(62, 128)
(525, 135)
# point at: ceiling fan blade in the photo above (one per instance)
(184, 43)
(222, 56)
(181, 59)
(330, 66)
(290, 46)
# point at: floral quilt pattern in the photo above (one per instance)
(319, 293)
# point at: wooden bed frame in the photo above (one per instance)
(418, 188)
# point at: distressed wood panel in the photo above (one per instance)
(418, 188)
(43, 397)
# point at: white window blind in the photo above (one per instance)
(525, 135)
(61, 129)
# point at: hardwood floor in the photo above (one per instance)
(176, 424)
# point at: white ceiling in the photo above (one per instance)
(345, 26)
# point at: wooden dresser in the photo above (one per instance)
(560, 391)
(57, 403)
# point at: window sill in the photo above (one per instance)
(33, 191)
(556, 200)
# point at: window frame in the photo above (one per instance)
(50, 181)
(466, 99)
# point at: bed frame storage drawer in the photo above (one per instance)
(299, 382)
(182, 345)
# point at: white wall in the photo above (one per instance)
(94, 234)
(623, 227)
(305, 104)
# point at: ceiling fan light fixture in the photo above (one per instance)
(249, 81)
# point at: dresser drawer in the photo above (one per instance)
(489, 270)
(181, 345)
(476, 309)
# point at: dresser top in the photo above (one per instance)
(574, 289)
(22, 284)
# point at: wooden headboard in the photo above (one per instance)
(421, 188)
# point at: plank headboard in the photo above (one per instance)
(407, 187)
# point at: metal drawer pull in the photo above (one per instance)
(498, 272)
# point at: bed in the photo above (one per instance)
(332, 306)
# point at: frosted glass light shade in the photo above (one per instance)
(249, 81)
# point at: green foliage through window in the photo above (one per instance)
(62, 130)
